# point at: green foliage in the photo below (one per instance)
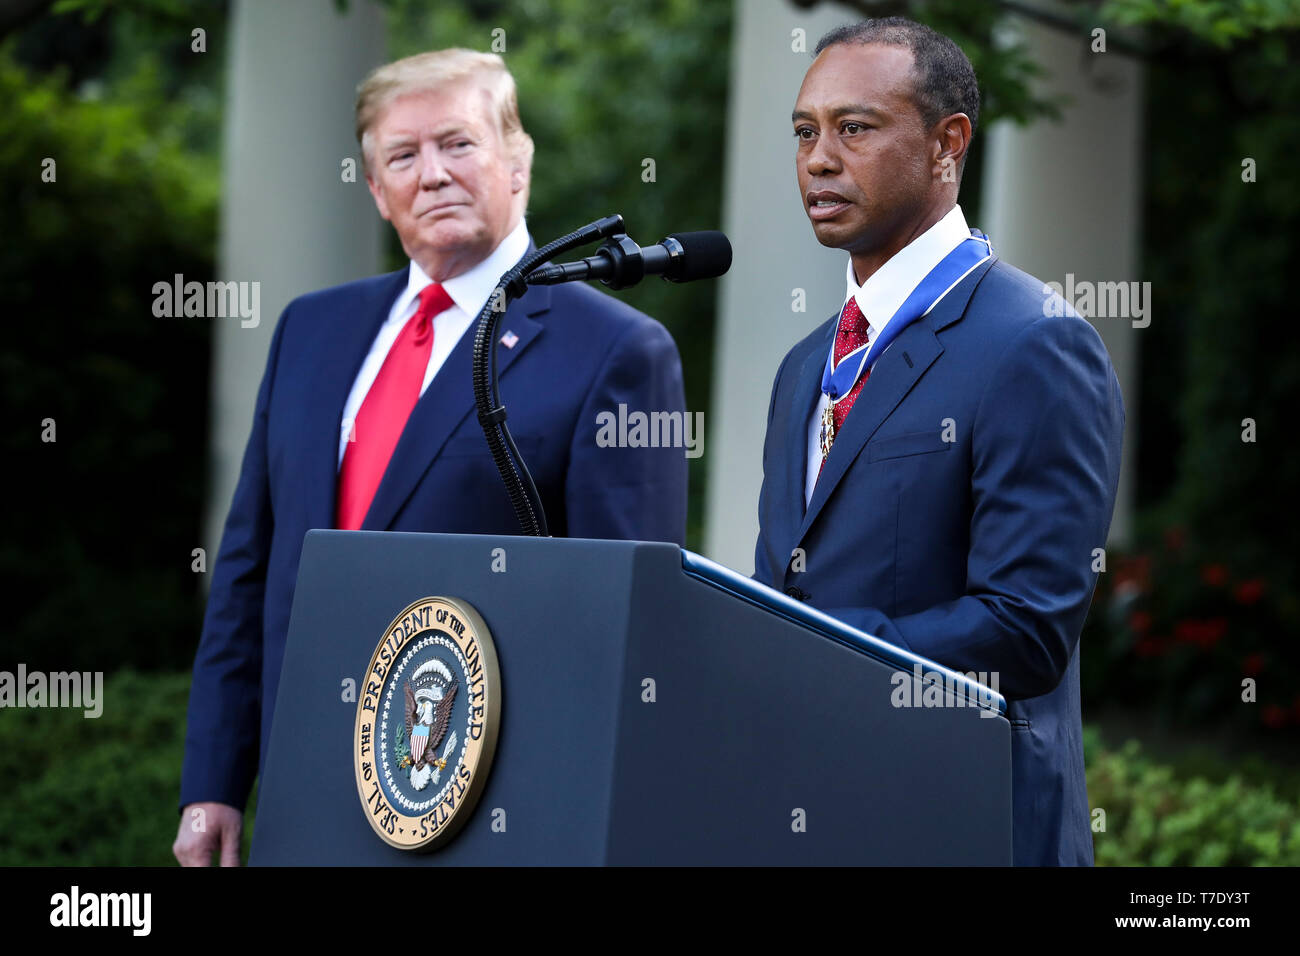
(178, 12)
(1155, 818)
(1002, 60)
(1217, 250)
(1219, 259)
(1215, 22)
(106, 515)
(97, 792)
(1170, 629)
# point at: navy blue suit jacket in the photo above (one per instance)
(579, 352)
(975, 552)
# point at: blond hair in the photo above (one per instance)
(431, 72)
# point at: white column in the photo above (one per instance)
(1064, 198)
(775, 254)
(288, 220)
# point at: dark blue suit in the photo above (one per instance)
(579, 352)
(975, 552)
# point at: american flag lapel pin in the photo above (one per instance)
(509, 339)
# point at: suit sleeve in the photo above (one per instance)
(1045, 460)
(636, 494)
(222, 730)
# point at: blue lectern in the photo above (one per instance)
(656, 708)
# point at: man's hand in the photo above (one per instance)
(206, 827)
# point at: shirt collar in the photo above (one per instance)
(889, 286)
(471, 290)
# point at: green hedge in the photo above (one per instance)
(1156, 817)
(96, 792)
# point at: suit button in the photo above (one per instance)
(797, 593)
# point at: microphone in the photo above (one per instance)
(620, 262)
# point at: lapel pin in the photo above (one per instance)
(509, 339)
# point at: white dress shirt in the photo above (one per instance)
(469, 292)
(879, 298)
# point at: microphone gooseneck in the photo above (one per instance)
(619, 263)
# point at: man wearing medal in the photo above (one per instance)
(942, 456)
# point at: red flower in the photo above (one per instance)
(1248, 592)
(1252, 664)
(1203, 634)
(1149, 647)
(1134, 571)
(1140, 621)
(1214, 575)
(1274, 716)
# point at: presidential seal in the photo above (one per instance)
(426, 725)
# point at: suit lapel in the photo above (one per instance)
(895, 373)
(806, 393)
(445, 404)
(352, 335)
(798, 413)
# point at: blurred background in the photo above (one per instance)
(1147, 141)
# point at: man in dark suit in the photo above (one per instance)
(365, 416)
(941, 457)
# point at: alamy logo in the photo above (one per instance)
(1100, 300)
(939, 689)
(651, 430)
(58, 689)
(208, 300)
(103, 909)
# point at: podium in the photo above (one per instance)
(656, 709)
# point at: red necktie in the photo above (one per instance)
(852, 334)
(386, 408)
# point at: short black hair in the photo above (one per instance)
(945, 79)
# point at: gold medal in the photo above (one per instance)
(828, 429)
